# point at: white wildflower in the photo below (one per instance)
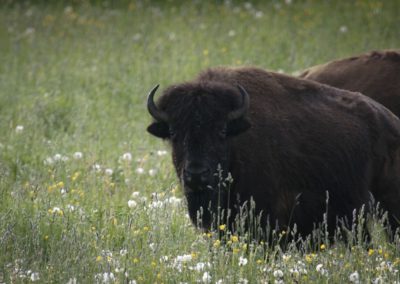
(63, 191)
(96, 168)
(183, 258)
(29, 31)
(161, 152)
(152, 246)
(19, 129)
(378, 280)
(57, 157)
(164, 258)
(108, 172)
(174, 201)
(248, 5)
(127, 157)
(152, 172)
(278, 273)
(243, 281)
(48, 161)
(354, 277)
(68, 10)
(70, 207)
(35, 276)
(106, 277)
(72, 281)
(172, 36)
(320, 268)
(201, 266)
(242, 261)
(343, 29)
(258, 14)
(123, 252)
(206, 277)
(156, 204)
(132, 203)
(56, 210)
(135, 194)
(288, 2)
(137, 37)
(132, 282)
(139, 170)
(77, 155)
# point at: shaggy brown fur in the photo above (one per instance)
(305, 139)
(375, 74)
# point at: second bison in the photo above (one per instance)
(375, 74)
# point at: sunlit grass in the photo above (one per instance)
(87, 195)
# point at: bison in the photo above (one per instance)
(375, 74)
(246, 135)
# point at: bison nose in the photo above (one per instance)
(196, 175)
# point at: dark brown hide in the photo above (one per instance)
(305, 139)
(375, 74)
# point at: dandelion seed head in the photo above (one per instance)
(231, 33)
(161, 152)
(57, 157)
(206, 277)
(152, 172)
(132, 203)
(278, 273)
(139, 170)
(108, 172)
(77, 155)
(19, 129)
(35, 276)
(354, 277)
(258, 14)
(343, 29)
(242, 261)
(127, 157)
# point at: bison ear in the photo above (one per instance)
(237, 126)
(159, 129)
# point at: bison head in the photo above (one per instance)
(199, 121)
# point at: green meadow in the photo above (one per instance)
(88, 196)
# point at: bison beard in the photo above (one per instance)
(287, 143)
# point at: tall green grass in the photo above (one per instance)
(74, 77)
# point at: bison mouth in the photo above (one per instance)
(207, 206)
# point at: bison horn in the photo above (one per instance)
(157, 114)
(242, 109)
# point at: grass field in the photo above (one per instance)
(86, 195)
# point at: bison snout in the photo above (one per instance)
(196, 176)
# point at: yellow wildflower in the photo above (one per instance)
(217, 243)
(370, 252)
(234, 239)
(222, 227)
(99, 258)
(75, 176)
(135, 260)
(322, 247)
